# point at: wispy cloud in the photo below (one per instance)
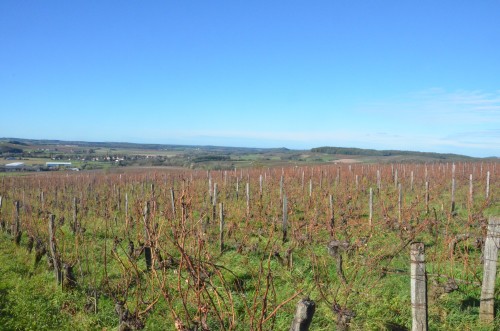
(437, 106)
(459, 106)
(484, 135)
(435, 120)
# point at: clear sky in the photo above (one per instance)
(413, 75)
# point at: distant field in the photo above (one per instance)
(92, 156)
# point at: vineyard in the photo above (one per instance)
(246, 249)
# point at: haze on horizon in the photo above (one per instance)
(421, 76)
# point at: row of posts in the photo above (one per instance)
(418, 285)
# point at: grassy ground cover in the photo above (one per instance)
(139, 263)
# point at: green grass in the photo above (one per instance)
(30, 299)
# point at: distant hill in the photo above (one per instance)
(382, 153)
(207, 156)
(139, 146)
(10, 147)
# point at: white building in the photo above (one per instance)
(14, 165)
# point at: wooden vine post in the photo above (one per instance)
(214, 203)
(147, 238)
(210, 186)
(427, 197)
(487, 185)
(400, 202)
(281, 187)
(248, 199)
(119, 198)
(260, 186)
(418, 288)
(172, 198)
(411, 181)
(16, 225)
(332, 218)
(215, 194)
(370, 205)
(126, 211)
(285, 218)
(471, 191)
(53, 249)
(221, 227)
(487, 305)
(74, 225)
(237, 187)
(453, 195)
(303, 315)
(378, 180)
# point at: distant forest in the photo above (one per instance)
(373, 152)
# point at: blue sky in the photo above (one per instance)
(413, 75)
